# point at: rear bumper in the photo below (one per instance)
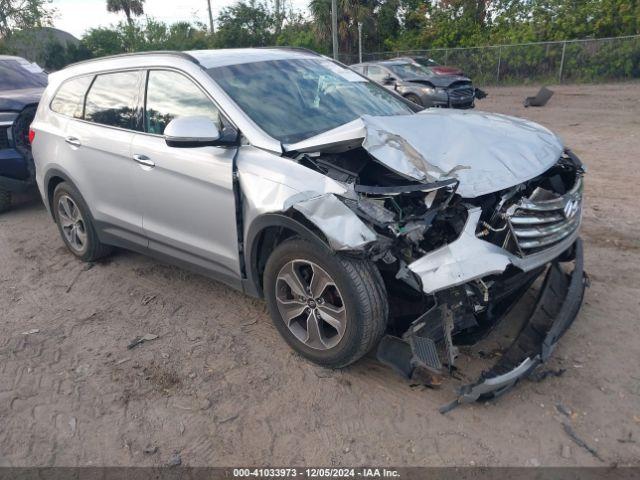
(558, 305)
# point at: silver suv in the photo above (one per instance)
(360, 219)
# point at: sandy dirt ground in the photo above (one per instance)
(219, 386)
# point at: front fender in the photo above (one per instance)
(252, 285)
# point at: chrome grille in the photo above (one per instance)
(461, 92)
(545, 218)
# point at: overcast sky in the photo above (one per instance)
(77, 16)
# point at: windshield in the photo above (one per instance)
(293, 100)
(409, 70)
(19, 74)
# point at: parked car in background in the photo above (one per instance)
(361, 218)
(418, 84)
(21, 86)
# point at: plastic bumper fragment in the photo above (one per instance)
(557, 307)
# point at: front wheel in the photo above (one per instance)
(330, 308)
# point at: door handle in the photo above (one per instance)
(73, 141)
(144, 161)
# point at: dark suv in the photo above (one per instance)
(21, 86)
(417, 83)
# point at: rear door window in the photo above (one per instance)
(170, 95)
(69, 100)
(113, 100)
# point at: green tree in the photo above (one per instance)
(350, 12)
(103, 41)
(245, 24)
(21, 14)
(129, 7)
(298, 31)
(54, 57)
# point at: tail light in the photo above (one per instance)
(32, 135)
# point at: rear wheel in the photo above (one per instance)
(75, 224)
(5, 200)
(330, 308)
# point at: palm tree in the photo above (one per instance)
(350, 12)
(129, 7)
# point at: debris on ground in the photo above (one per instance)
(123, 360)
(148, 299)
(541, 98)
(580, 442)
(86, 267)
(31, 332)
(566, 451)
(628, 438)
(175, 460)
(150, 449)
(229, 419)
(139, 340)
(563, 409)
(72, 425)
(480, 94)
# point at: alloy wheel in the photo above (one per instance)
(310, 304)
(72, 223)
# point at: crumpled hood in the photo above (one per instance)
(485, 152)
(16, 100)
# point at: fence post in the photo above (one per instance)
(564, 48)
(446, 57)
(499, 61)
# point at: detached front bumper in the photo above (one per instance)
(558, 304)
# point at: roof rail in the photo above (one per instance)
(295, 49)
(173, 53)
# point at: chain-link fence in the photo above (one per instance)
(570, 61)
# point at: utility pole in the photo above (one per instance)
(210, 17)
(278, 17)
(334, 27)
(359, 42)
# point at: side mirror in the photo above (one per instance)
(191, 132)
(388, 80)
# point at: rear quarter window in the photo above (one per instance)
(113, 100)
(69, 99)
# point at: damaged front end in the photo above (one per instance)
(457, 244)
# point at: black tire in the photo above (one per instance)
(363, 295)
(414, 98)
(92, 249)
(5, 200)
